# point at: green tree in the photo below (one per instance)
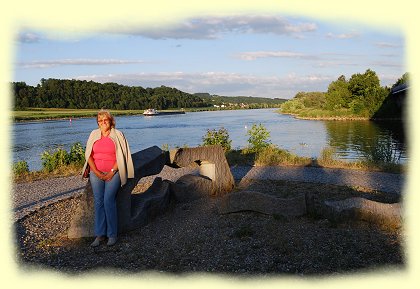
(367, 94)
(258, 138)
(403, 79)
(218, 137)
(338, 94)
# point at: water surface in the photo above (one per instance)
(352, 139)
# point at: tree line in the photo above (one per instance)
(82, 94)
(361, 95)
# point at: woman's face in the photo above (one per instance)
(104, 123)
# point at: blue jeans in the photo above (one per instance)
(104, 194)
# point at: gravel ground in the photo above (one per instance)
(28, 197)
(194, 237)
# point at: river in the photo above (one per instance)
(352, 139)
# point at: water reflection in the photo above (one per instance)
(376, 141)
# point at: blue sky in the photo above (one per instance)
(264, 55)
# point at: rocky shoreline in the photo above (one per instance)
(195, 237)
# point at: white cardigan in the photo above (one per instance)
(124, 160)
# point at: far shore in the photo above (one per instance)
(52, 114)
(46, 114)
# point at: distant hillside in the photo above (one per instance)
(82, 94)
(247, 100)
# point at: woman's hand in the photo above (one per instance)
(99, 174)
(107, 176)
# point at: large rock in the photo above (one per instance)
(146, 162)
(385, 215)
(262, 203)
(135, 210)
(212, 164)
(153, 202)
(81, 224)
(191, 187)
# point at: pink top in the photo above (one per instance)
(103, 154)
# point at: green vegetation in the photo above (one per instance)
(391, 107)
(272, 156)
(59, 158)
(328, 159)
(79, 98)
(360, 97)
(258, 138)
(219, 137)
(78, 94)
(20, 168)
(241, 101)
(57, 162)
(61, 113)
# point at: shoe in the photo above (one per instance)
(111, 241)
(97, 241)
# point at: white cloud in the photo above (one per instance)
(387, 64)
(387, 45)
(63, 62)
(343, 35)
(222, 83)
(28, 37)
(280, 54)
(213, 27)
(335, 63)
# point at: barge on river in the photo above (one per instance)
(153, 112)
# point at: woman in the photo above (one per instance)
(109, 159)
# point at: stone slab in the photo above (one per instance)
(262, 203)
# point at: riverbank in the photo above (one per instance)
(321, 116)
(194, 237)
(45, 114)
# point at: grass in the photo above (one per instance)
(321, 114)
(66, 171)
(32, 114)
(62, 113)
(274, 156)
(328, 160)
(240, 158)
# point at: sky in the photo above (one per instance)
(271, 48)
(243, 54)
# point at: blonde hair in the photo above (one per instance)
(104, 112)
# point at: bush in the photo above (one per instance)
(382, 153)
(52, 160)
(327, 157)
(165, 147)
(77, 154)
(220, 137)
(258, 138)
(56, 159)
(20, 168)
